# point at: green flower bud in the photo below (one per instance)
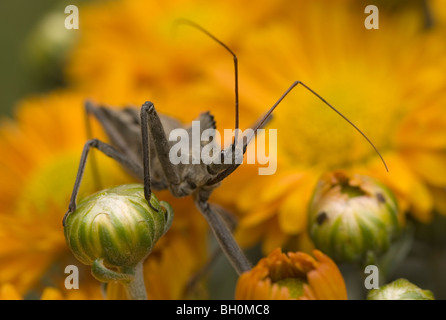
(116, 228)
(352, 218)
(47, 46)
(400, 289)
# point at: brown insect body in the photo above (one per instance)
(123, 128)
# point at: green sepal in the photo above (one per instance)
(104, 274)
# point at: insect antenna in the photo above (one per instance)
(236, 91)
(267, 115)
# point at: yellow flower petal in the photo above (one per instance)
(431, 166)
(294, 209)
(273, 237)
(9, 292)
(51, 294)
(424, 128)
(248, 236)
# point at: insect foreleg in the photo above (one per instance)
(109, 151)
(150, 121)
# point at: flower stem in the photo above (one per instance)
(136, 290)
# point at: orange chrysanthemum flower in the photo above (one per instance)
(295, 275)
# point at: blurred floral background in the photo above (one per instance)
(390, 82)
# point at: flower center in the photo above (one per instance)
(294, 285)
(349, 189)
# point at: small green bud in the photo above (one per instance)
(352, 218)
(47, 46)
(117, 229)
(400, 289)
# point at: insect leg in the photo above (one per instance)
(224, 237)
(93, 160)
(107, 150)
(114, 133)
(227, 216)
(151, 121)
(231, 223)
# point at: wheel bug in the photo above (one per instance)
(139, 143)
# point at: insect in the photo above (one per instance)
(139, 143)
